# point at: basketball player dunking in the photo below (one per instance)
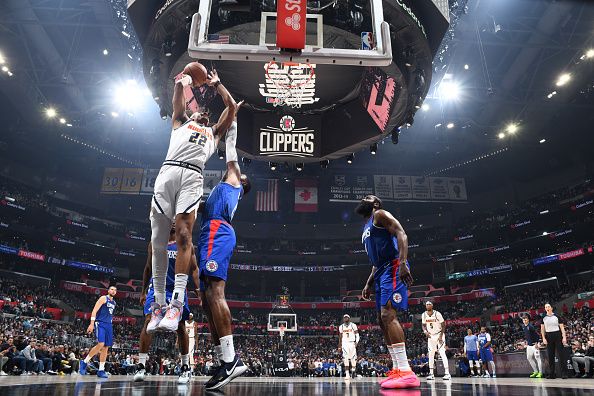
(386, 245)
(348, 339)
(101, 318)
(191, 331)
(148, 298)
(178, 190)
(217, 241)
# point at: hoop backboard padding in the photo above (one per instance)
(276, 320)
(291, 24)
(381, 55)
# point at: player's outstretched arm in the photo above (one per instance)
(233, 175)
(147, 273)
(226, 117)
(96, 308)
(179, 101)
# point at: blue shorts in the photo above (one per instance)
(486, 355)
(388, 287)
(104, 333)
(472, 355)
(150, 298)
(217, 241)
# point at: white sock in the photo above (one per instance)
(179, 290)
(88, 359)
(218, 356)
(101, 366)
(393, 356)
(228, 350)
(430, 371)
(401, 359)
(160, 227)
(492, 365)
(142, 358)
(185, 359)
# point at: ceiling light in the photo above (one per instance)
(69, 125)
(545, 233)
(466, 67)
(590, 53)
(373, 148)
(350, 158)
(5, 69)
(50, 112)
(126, 34)
(450, 125)
(2, 59)
(299, 166)
(542, 141)
(425, 107)
(512, 128)
(62, 121)
(114, 114)
(501, 135)
(563, 79)
(105, 52)
(272, 166)
(221, 154)
(449, 90)
(9, 73)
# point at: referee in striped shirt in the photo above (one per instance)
(552, 330)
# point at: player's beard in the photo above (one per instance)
(364, 209)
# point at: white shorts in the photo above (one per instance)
(349, 351)
(434, 344)
(177, 190)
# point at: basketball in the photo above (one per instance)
(198, 73)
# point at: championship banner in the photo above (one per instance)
(349, 188)
(418, 188)
(306, 195)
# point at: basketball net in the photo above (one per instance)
(292, 83)
(281, 331)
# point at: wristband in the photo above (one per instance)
(216, 85)
(92, 318)
(185, 80)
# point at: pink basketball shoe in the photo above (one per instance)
(405, 379)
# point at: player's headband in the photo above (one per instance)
(346, 316)
(428, 303)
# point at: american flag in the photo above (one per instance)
(218, 38)
(267, 201)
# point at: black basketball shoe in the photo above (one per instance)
(226, 373)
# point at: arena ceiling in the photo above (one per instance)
(515, 50)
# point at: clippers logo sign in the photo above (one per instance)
(288, 136)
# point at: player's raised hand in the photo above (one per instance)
(404, 274)
(213, 78)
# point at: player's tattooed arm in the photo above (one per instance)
(385, 219)
(96, 308)
(179, 105)
(147, 273)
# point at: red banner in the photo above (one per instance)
(587, 303)
(290, 24)
(116, 319)
(572, 254)
(32, 255)
(504, 316)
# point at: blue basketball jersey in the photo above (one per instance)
(470, 342)
(483, 338)
(380, 245)
(221, 203)
(170, 278)
(105, 313)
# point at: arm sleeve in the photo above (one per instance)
(488, 337)
(423, 321)
(231, 142)
(340, 329)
